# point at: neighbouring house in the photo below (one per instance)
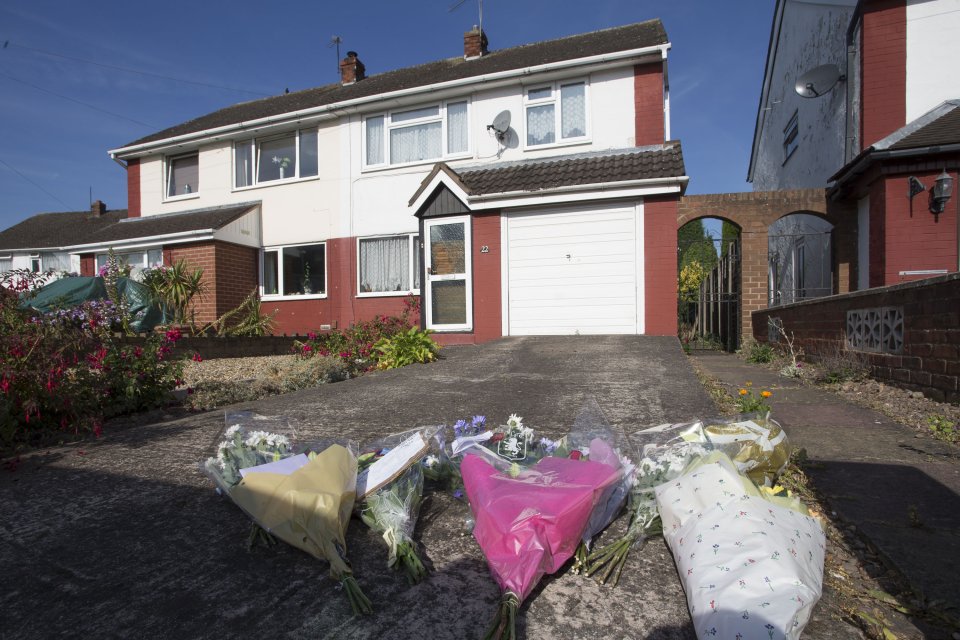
(530, 190)
(878, 129)
(882, 126)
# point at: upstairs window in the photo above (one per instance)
(289, 156)
(556, 113)
(791, 136)
(183, 175)
(417, 135)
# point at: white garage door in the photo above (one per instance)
(574, 272)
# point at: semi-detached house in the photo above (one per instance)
(531, 190)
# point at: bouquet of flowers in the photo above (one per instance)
(392, 510)
(757, 445)
(751, 563)
(529, 520)
(303, 499)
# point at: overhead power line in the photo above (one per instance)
(8, 166)
(136, 71)
(80, 102)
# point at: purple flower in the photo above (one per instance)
(459, 428)
(478, 422)
(458, 494)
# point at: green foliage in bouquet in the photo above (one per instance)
(409, 347)
(392, 512)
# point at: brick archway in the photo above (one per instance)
(754, 212)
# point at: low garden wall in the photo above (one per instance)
(908, 334)
(214, 347)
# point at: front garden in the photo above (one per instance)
(67, 370)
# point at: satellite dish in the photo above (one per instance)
(818, 81)
(500, 125)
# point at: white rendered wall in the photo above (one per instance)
(811, 34)
(347, 200)
(933, 48)
(293, 212)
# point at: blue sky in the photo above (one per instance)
(59, 116)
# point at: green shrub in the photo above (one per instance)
(760, 353)
(354, 345)
(943, 428)
(411, 346)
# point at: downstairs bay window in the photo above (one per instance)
(299, 270)
(388, 265)
(288, 156)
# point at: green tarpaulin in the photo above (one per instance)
(70, 292)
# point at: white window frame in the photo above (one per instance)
(414, 246)
(39, 262)
(554, 99)
(168, 176)
(791, 136)
(255, 143)
(389, 125)
(144, 262)
(278, 249)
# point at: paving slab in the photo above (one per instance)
(123, 537)
(901, 491)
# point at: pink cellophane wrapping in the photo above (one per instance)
(530, 525)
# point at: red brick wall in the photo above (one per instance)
(88, 265)
(883, 103)
(648, 103)
(930, 359)
(133, 188)
(878, 197)
(660, 265)
(229, 273)
(487, 317)
(915, 238)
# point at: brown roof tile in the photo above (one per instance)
(581, 169)
(943, 130)
(633, 36)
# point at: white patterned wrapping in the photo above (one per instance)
(751, 569)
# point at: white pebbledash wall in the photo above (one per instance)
(347, 201)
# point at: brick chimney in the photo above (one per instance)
(351, 69)
(98, 208)
(474, 43)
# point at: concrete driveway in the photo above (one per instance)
(124, 537)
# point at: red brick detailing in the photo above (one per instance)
(229, 271)
(487, 306)
(877, 238)
(883, 69)
(88, 265)
(913, 238)
(754, 212)
(133, 188)
(351, 69)
(930, 360)
(660, 265)
(648, 103)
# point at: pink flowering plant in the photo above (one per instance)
(355, 344)
(63, 373)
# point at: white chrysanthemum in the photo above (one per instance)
(527, 434)
(256, 438)
(232, 430)
(514, 421)
(431, 461)
(281, 441)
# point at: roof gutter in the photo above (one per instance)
(868, 159)
(334, 109)
(200, 234)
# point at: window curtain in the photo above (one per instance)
(540, 124)
(385, 264)
(243, 163)
(6, 264)
(419, 142)
(457, 127)
(375, 140)
(573, 111)
(55, 261)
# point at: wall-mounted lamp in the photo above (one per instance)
(939, 195)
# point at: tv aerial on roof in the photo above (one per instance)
(818, 81)
(500, 125)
